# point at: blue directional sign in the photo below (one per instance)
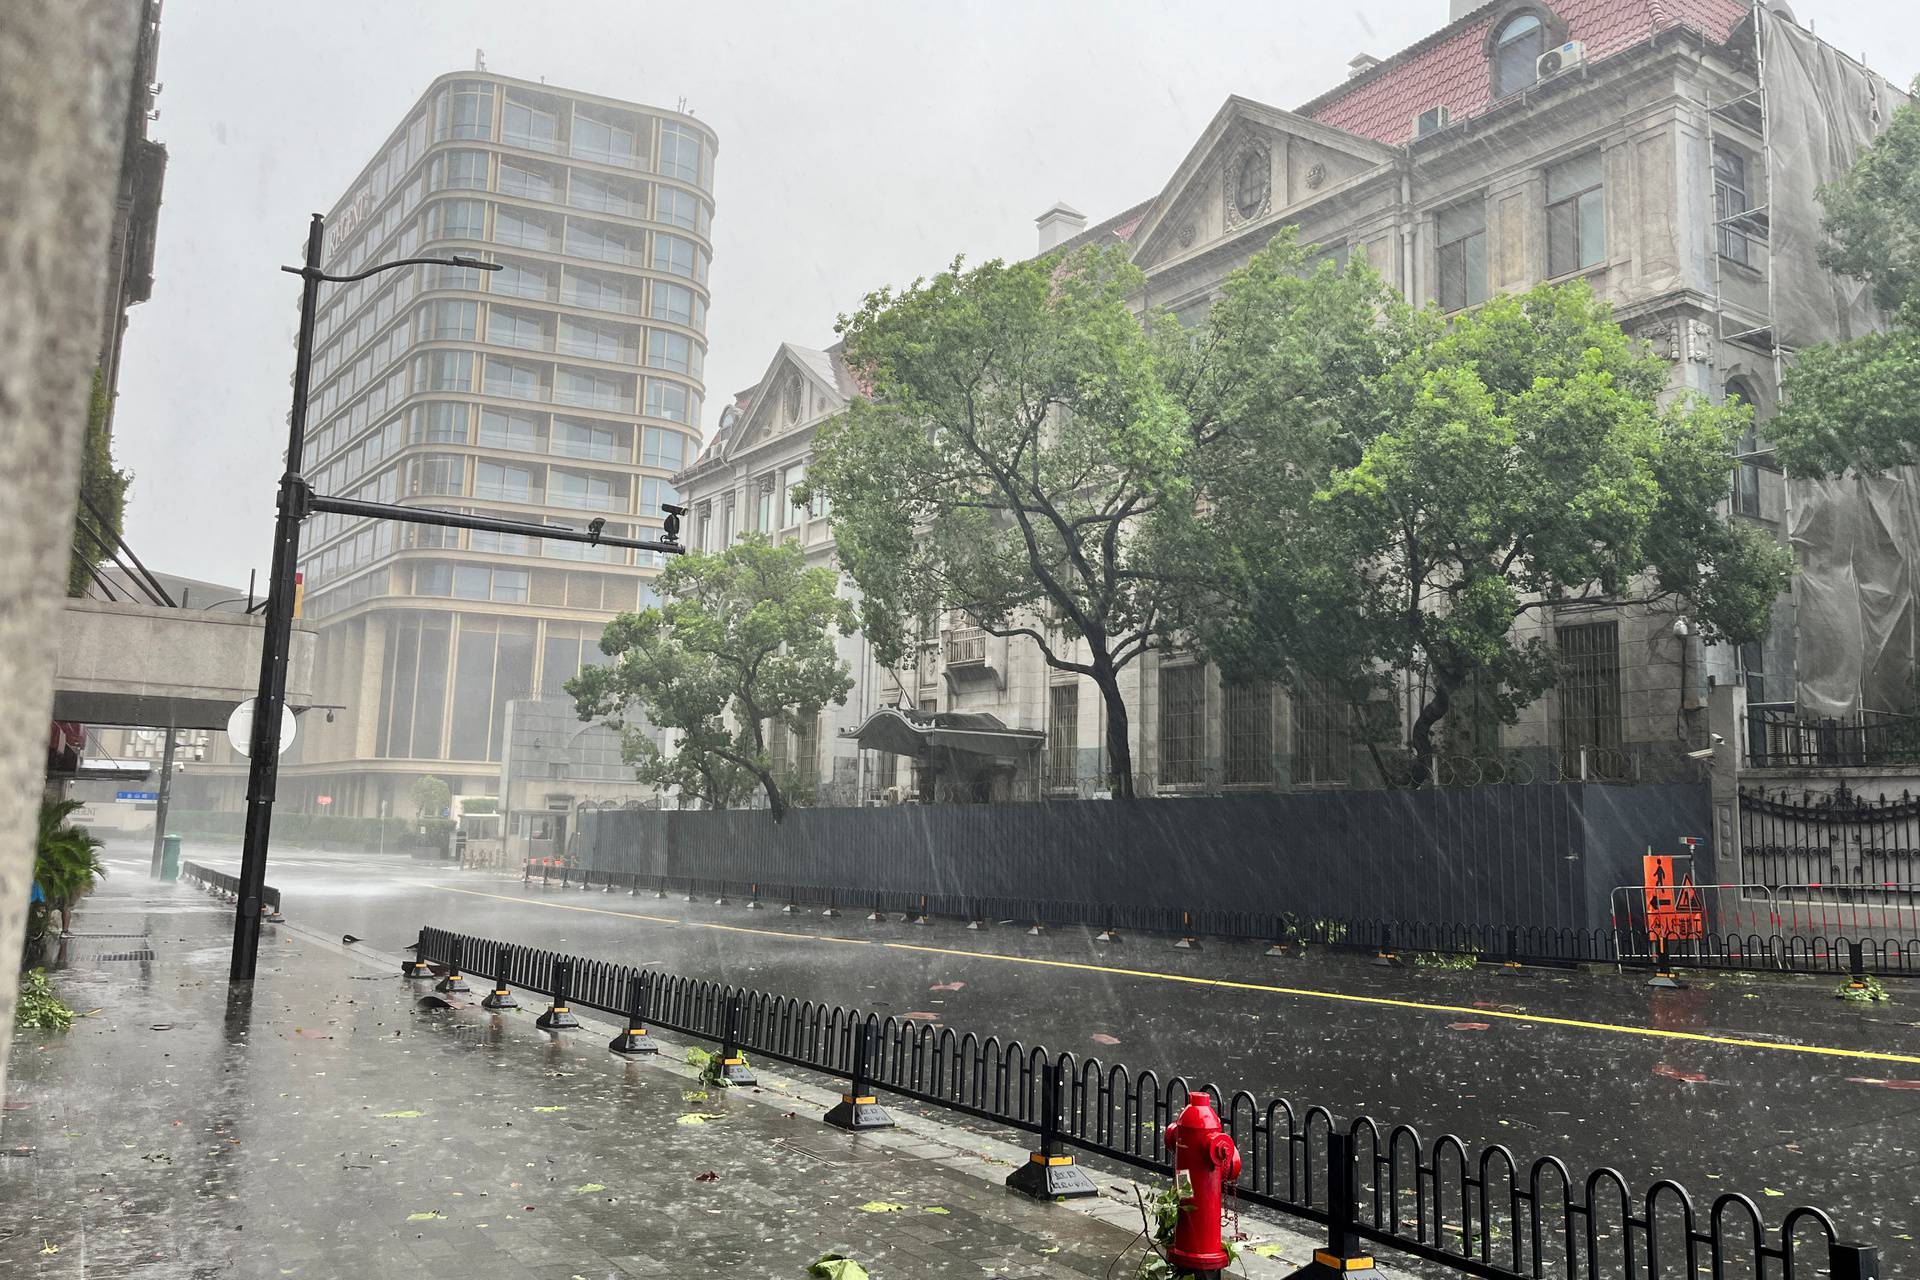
(136, 795)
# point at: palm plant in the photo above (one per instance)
(67, 859)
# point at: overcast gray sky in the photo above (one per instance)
(860, 144)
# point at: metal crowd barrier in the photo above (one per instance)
(228, 887)
(1755, 949)
(1481, 1214)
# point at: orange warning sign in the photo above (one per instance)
(1675, 912)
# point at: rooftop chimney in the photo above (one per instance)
(1361, 64)
(1059, 224)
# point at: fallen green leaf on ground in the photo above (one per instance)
(693, 1095)
(1769, 1191)
(399, 1115)
(587, 1188)
(1267, 1250)
(549, 1110)
(700, 1117)
(934, 1208)
(428, 1216)
(831, 1266)
(882, 1206)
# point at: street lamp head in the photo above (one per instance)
(464, 260)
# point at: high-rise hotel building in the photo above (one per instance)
(564, 387)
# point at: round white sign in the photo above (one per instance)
(240, 729)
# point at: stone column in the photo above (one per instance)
(1727, 729)
(64, 68)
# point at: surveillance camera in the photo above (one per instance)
(1717, 739)
(672, 510)
(1704, 753)
(329, 717)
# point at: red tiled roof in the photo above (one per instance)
(1450, 69)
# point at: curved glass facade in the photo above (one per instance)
(564, 387)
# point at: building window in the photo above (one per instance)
(460, 220)
(681, 208)
(472, 114)
(438, 424)
(511, 328)
(674, 255)
(1516, 54)
(597, 341)
(505, 429)
(506, 483)
(1321, 735)
(664, 449)
(527, 183)
(605, 195)
(586, 440)
(505, 378)
(1590, 698)
(1247, 714)
(1576, 215)
(592, 390)
(1730, 200)
(674, 351)
(602, 140)
(525, 126)
(655, 491)
(585, 491)
(510, 226)
(669, 400)
(586, 240)
(763, 512)
(1183, 713)
(1462, 233)
(1063, 735)
(791, 479)
(678, 304)
(679, 152)
(1751, 455)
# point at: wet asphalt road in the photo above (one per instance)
(1734, 1105)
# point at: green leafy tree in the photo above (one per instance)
(101, 484)
(740, 644)
(1019, 426)
(431, 797)
(1857, 403)
(1408, 513)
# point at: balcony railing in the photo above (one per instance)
(1778, 739)
(966, 646)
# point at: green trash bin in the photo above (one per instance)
(170, 857)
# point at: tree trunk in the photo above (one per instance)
(1119, 750)
(66, 73)
(1422, 735)
(775, 801)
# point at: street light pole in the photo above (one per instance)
(269, 706)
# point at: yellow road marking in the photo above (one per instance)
(1230, 984)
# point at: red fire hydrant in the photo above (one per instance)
(1204, 1157)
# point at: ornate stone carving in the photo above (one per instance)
(793, 398)
(1317, 176)
(1186, 236)
(1248, 186)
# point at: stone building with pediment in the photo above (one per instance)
(1640, 145)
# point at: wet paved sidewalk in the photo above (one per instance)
(327, 1127)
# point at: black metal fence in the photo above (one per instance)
(1623, 941)
(1484, 1213)
(1777, 738)
(228, 886)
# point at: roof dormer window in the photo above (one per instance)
(1516, 53)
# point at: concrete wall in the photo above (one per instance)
(139, 664)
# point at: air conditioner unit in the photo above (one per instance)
(1565, 58)
(1432, 120)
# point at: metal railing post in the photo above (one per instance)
(1853, 1261)
(1344, 1252)
(559, 1017)
(1047, 1174)
(733, 1064)
(417, 966)
(633, 1042)
(858, 1107)
(453, 983)
(500, 997)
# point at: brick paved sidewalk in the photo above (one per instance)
(328, 1127)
